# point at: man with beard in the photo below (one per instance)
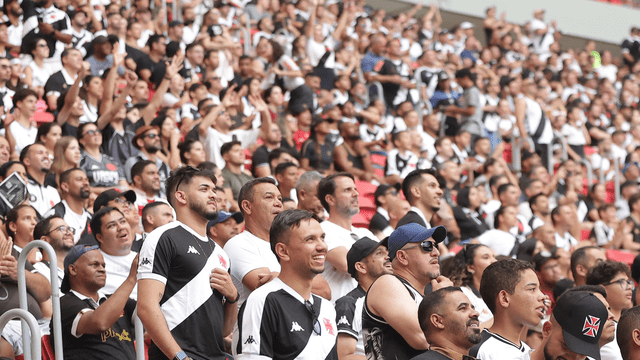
(450, 324)
(575, 328)
(339, 196)
(38, 163)
(307, 191)
(146, 184)
(59, 235)
(233, 174)
(511, 290)
(202, 285)
(422, 190)
(367, 260)
(390, 326)
(75, 190)
(114, 236)
(147, 140)
(284, 319)
(352, 156)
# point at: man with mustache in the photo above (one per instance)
(422, 190)
(390, 326)
(284, 319)
(339, 196)
(450, 324)
(38, 164)
(367, 260)
(201, 283)
(74, 187)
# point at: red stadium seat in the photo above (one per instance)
(621, 255)
(365, 188)
(47, 349)
(367, 213)
(360, 221)
(367, 202)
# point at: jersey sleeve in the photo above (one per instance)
(345, 314)
(155, 257)
(255, 330)
(392, 166)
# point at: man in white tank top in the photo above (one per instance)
(531, 120)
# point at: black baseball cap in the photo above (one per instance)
(412, 233)
(581, 315)
(72, 256)
(360, 250)
(108, 195)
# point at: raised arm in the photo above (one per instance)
(172, 69)
(213, 114)
(312, 19)
(105, 118)
(110, 82)
(70, 98)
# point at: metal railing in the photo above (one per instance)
(36, 336)
(616, 177)
(379, 89)
(139, 335)
(587, 164)
(55, 297)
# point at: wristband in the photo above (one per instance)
(233, 301)
(180, 356)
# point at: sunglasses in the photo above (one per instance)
(191, 170)
(91, 133)
(317, 329)
(151, 136)
(426, 245)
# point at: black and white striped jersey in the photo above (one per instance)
(177, 256)
(274, 323)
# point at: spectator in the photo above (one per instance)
(539, 205)
(102, 170)
(367, 260)
(87, 315)
(317, 151)
(37, 72)
(500, 239)
(339, 196)
(307, 192)
(192, 194)
(468, 215)
(297, 234)
(383, 197)
(226, 226)
(68, 157)
(260, 160)
(393, 329)
(352, 156)
(583, 260)
(192, 152)
(564, 217)
(448, 337)
(55, 231)
(146, 184)
(123, 201)
(20, 133)
(629, 322)
(234, 177)
(400, 160)
(572, 306)
(615, 277)
(549, 273)
(422, 189)
(604, 230)
(147, 141)
(287, 175)
(74, 188)
(37, 162)
(153, 216)
(71, 64)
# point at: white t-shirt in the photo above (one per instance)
(574, 134)
(117, 268)
(499, 241)
(248, 252)
(336, 236)
(566, 241)
(22, 135)
(215, 139)
(478, 304)
(316, 50)
(76, 221)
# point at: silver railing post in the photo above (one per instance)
(139, 335)
(35, 350)
(587, 164)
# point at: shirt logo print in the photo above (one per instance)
(343, 320)
(328, 326)
(250, 340)
(192, 250)
(145, 261)
(296, 327)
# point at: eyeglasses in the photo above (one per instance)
(392, 192)
(151, 136)
(624, 284)
(317, 329)
(121, 200)
(91, 133)
(63, 229)
(426, 245)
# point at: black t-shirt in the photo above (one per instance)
(9, 292)
(157, 69)
(69, 130)
(260, 157)
(319, 162)
(115, 343)
(56, 84)
(386, 67)
(118, 145)
(431, 355)
(635, 231)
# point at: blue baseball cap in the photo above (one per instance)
(224, 216)
(413, 233)
(72, 256)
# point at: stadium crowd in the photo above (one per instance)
(316, 179)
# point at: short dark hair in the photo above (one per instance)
(12, 217)
(633, 199)
(415, 178)
(44, 226)
(64, 177)
(184, 175)
(22, 94)
(501, 275)
(327, 186)
(282, 167)
(605, 271)
(497, 214)
(138, 168)
(285, 221)
(503, 188)
(463, 197)
(534, 199)
(185, 147)
(150, 206)
(154, 39)
(579, 257)
(226, 147)
(96, 220)
(494, 179)
(431, 304)
(629, 321)
(6, 166)
(276, 153)
(247, 192)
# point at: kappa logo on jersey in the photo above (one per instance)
(591, 326)
(145, 261)
(328, 326)
(343, 320)
(296, 327)
(250, 340)
(192, 250)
